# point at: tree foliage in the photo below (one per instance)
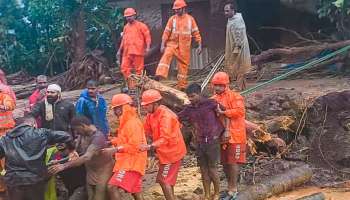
(35, 34)
(338, 11)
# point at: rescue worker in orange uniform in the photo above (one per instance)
(7, 105)
(163, 127)
(131, 162)
(135, 43)
(176, 41)
(233, 152)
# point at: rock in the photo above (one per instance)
(198, 191)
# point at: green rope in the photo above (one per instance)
(294, 71)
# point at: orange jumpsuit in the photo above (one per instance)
(164, 127)
(6, 118)
(131, 135)
(136, 37)
(235, 111)
(6, 122)
(177, 36)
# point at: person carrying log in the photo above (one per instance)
(92, 105)
(176, 41)
(237, 53)
(202, 114)
(98, 164)
(136, 42)
(233, 152)
(131, 162)
(163, 127)
(24, 148)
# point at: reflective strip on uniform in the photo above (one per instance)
(180, 76)
(174, 25)
(163, 65)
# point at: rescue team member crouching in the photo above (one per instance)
(233, 153)
(131, 162)
(163, 127)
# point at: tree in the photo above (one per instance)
(43, 36)
(338, 11)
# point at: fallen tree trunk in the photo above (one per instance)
(277, 184)
(316, 196)
(278, 123)
(295, 54)
(176, 100)
(171, 97)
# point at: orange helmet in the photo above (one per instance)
(179, 4)
(150, 96)
(220, 78)
(120, 99)
(129, 12)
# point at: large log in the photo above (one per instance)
(295, 54)
(277, 184)
(316, 196)
(177, 99)
(278, 123)
(171, 96)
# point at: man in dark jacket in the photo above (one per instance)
(93, 106)
(24, 149)
(55, 112)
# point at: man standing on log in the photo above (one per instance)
(233, 152)
(93, 106)
(131, 162)
(164, 128)
(201, 113)
(237, 53)
(135, 44)
(176, 41)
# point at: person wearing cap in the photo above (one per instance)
(131, 162)
(136, 42)
(163, 128)
(237, 53)
(176, 41)
(55, 112)
(233, 152)
(38, 95)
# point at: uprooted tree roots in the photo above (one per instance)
(93, 66)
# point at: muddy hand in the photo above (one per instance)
(54, 169)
